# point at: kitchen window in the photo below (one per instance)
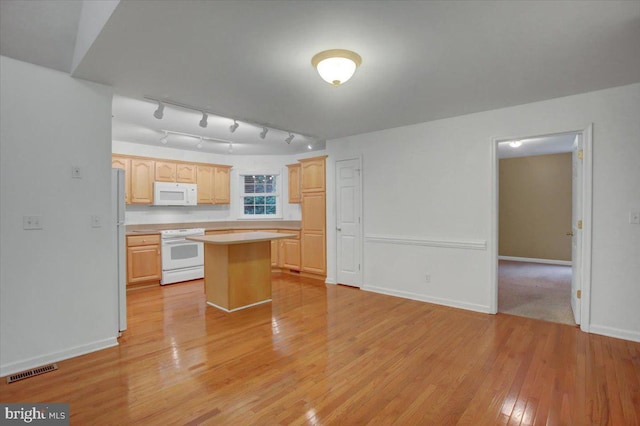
(260, 196)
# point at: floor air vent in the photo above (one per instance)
(30, 373)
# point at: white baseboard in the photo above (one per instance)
(429, 299)
(534, 260)
(330, 281)
(38, 361)
(618, 333)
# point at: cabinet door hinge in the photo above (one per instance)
(580, 154)
(580, 224)
(579, 293)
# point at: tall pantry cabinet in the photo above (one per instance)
(314, 223)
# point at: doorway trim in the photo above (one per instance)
(361, 212)
(585, 245)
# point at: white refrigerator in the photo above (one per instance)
(118, 203)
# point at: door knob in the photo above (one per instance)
(338, 229)
(570, 234)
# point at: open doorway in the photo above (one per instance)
(538, 184)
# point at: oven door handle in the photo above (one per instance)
(175, 242)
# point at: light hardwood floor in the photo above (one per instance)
(332, 355)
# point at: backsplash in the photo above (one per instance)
(143, 214)
(135, 215)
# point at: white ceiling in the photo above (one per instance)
(250, 60)
(542, 145)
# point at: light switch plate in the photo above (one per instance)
(96, 221)
(31, 222)
(634, 218)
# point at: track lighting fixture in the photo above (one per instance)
(159, 112)
(289, 139)
(199, 146)
(203, 122)
(310, 146)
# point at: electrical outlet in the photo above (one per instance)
(427, 278)
(96, 221)
(76, 172)
(31, 222)
(634, 218)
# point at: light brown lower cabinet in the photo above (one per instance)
(290, 254)
(144, 262)
(313, 239)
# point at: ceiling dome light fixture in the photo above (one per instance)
(159, 113)
(203, 122)
(515, 144)
(289, 139)
(336, 66)
(263, 133)
(234, 126)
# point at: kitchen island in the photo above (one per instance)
(237, 268)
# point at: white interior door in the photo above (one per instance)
(348, 219)
(576, 217)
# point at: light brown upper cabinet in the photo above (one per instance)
(186, 173)
(165, 171)
(312, 174)
(212, 179)
(124, 163)
(213, 184)
(205, 184)
(294, 183)
(142, 174)
(221, 193)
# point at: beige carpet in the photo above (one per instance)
(535, 290)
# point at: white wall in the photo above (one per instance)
(202, 213)
(58, 284)
(432, 181)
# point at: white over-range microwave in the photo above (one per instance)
(175, 194)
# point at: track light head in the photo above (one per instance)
(310, 146)
(263, 133)
(234, 126)
(203, 122)
(289, 139)
(159, 112)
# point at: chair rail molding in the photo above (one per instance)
(427, 242)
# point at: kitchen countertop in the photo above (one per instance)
(293, 225)
(240, 238)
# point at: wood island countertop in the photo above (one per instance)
(240, 238)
